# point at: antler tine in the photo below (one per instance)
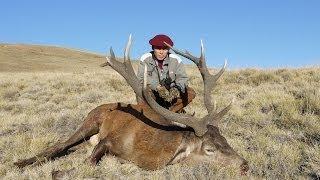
(210, 82)
(128, 47)
(202, 50)
(186, 54)
(125, 69)
(127, 61)
(207, 80)
(219, 115)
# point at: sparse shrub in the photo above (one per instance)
(309, 100)
(58, 98)
(91, 97)
(13, 107)
(11, 93)
(286, 74)
(57, 84)
(252, 77)
(118, 84)
(263, 77)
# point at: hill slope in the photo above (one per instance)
(30, 58)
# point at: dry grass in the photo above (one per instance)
(274, 123)
(30, 58)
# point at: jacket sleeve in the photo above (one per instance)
(181, 77)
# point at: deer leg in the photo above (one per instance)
(90, 127)
(101, 148)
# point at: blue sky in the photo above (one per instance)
(249, 33)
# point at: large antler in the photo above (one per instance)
(209, 80)
(199, 125)
(125, 69)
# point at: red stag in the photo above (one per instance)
(147, 134)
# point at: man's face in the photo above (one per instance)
(160, 53)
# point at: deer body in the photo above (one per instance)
(147, 134)
(134, 137)
(137, 138)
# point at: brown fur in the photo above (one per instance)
(138, 134)
(152, 145)
(116, 122)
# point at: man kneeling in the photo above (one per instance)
(166, 75)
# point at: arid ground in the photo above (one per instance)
(45, 92)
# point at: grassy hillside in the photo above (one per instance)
(30, 58)
(274, 123)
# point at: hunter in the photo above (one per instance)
(166, 75)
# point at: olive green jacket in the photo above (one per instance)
(173, 68)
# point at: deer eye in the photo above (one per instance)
(209, 150)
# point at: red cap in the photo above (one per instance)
(159, 39)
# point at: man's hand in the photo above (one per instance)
(174, 92)
(168, 95)
(163, 92)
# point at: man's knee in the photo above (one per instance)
(191, 93)
(188, 96)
